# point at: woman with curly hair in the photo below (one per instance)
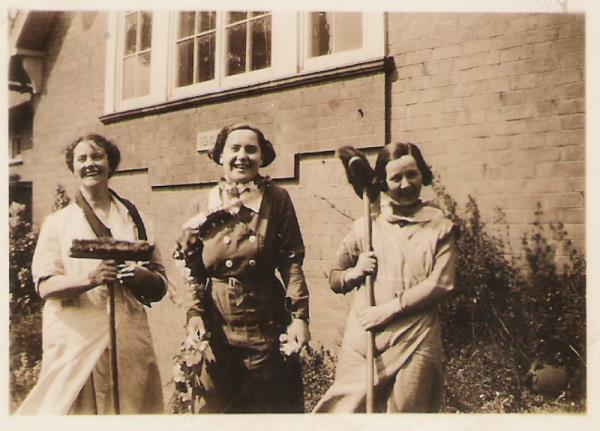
(75, 377)
(244, 251)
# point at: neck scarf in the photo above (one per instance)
(396, 213)
(234, 195)
(99, 228)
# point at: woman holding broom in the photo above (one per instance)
(75, 377)
(244, 251)
(413, 267)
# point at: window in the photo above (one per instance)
(248, 42)
(195, 47)
(20, 130)
(155, 57)
(332, 32)
(137, 54)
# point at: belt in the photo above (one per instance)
(232, 281)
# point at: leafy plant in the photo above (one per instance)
(22, 240)
(61, 199)
(25, 304)
(555, 307)
(318, 372)
(507, 312)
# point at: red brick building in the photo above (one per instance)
(496, 102)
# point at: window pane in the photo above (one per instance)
(348, 31)
(236, 50)
(320, 33)
(129, 77)
(143, 74)
(236, 16)
(185, 62)
(130, 33)
(146, 39)
(261, 43)
(15, 148)
(207, 21)
(186, 23)
(206, 58)
(258, 13)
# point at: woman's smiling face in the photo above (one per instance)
(404, 180)
(241, 157)
(90, 164)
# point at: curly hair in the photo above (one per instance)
(396, 150)
(266, 148)
(112, 151)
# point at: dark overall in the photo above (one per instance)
(243, 305)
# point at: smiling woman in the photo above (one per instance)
(238, 237)
(413, 261)
(75, 376)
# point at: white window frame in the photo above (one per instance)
(289, 50)
(113, 102)
(373, 45)
(283, 60)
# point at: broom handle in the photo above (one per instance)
(370, 302)
(112, 333)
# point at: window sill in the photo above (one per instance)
(15, 162)
(363, 68)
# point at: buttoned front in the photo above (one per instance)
(249, 246)
(243, 303)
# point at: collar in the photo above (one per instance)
(422, 213)
(248, 195)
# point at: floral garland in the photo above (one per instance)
(195, 350)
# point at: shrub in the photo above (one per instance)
(61, 199)
(22, 240)
(318, 372)
(25, 354)
(505, 313)
(25, 305)
(555, 309)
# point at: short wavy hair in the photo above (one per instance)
(396, 150)
(266, 148)
(112, 151)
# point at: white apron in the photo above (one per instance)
(75, 331)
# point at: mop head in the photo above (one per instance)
(358, 171)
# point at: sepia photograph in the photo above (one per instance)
(225, 213)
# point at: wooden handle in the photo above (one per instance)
(370, 402)
(112, 333)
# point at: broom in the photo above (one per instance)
(108, 248)
(361, 176)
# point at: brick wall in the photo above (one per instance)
(495, 101)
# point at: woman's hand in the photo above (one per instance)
(196, 328)
(297, 336)
(366, 265)
(146, 285)
(104, 273)
(373, 317)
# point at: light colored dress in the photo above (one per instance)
(75, 331)
(412, 252)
